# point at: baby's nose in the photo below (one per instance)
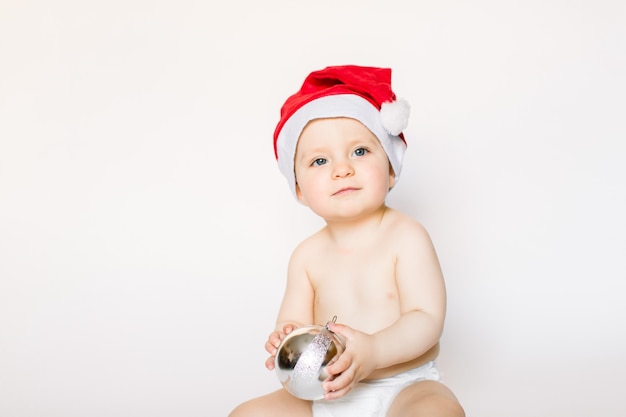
(342, 169)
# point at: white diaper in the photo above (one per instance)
(373, 398)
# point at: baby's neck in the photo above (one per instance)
(357, 231)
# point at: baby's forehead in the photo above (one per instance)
(325, 134)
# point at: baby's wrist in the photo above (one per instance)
(378, 351)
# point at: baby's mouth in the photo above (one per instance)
(345, 190)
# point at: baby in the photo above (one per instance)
(339, 143)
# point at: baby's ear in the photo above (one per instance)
(392, 177)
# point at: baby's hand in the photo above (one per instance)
(353, 365)
(273, 341)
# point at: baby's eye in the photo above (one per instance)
(360, 151)
(319, 161)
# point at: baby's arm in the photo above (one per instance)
(422, 300)
(296, 309)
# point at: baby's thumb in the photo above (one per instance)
(342, 330)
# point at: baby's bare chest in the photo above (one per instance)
(355, 286)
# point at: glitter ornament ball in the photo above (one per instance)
(302, 357)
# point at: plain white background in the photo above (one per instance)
(145, 228)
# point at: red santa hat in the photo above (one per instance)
(361, 93)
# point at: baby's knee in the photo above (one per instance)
(440, 405)
(238, 411)
(276, 404)
(448, 407)
(426, 398)
(246, 409)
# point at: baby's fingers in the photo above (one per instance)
(269, 363)
(340, 365)
(273, 342)
(288, 328)
(339, 386)
(331, 395)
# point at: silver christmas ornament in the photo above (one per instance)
(302, 357)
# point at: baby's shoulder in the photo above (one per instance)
(402, 228)
(311, 245)
(402, 222)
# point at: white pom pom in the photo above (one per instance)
(394, 116)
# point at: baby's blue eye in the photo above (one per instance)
(318, 162)
(360, 151)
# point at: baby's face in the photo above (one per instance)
(341, 168)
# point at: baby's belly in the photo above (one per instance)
(363, 311)
(406, 366)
